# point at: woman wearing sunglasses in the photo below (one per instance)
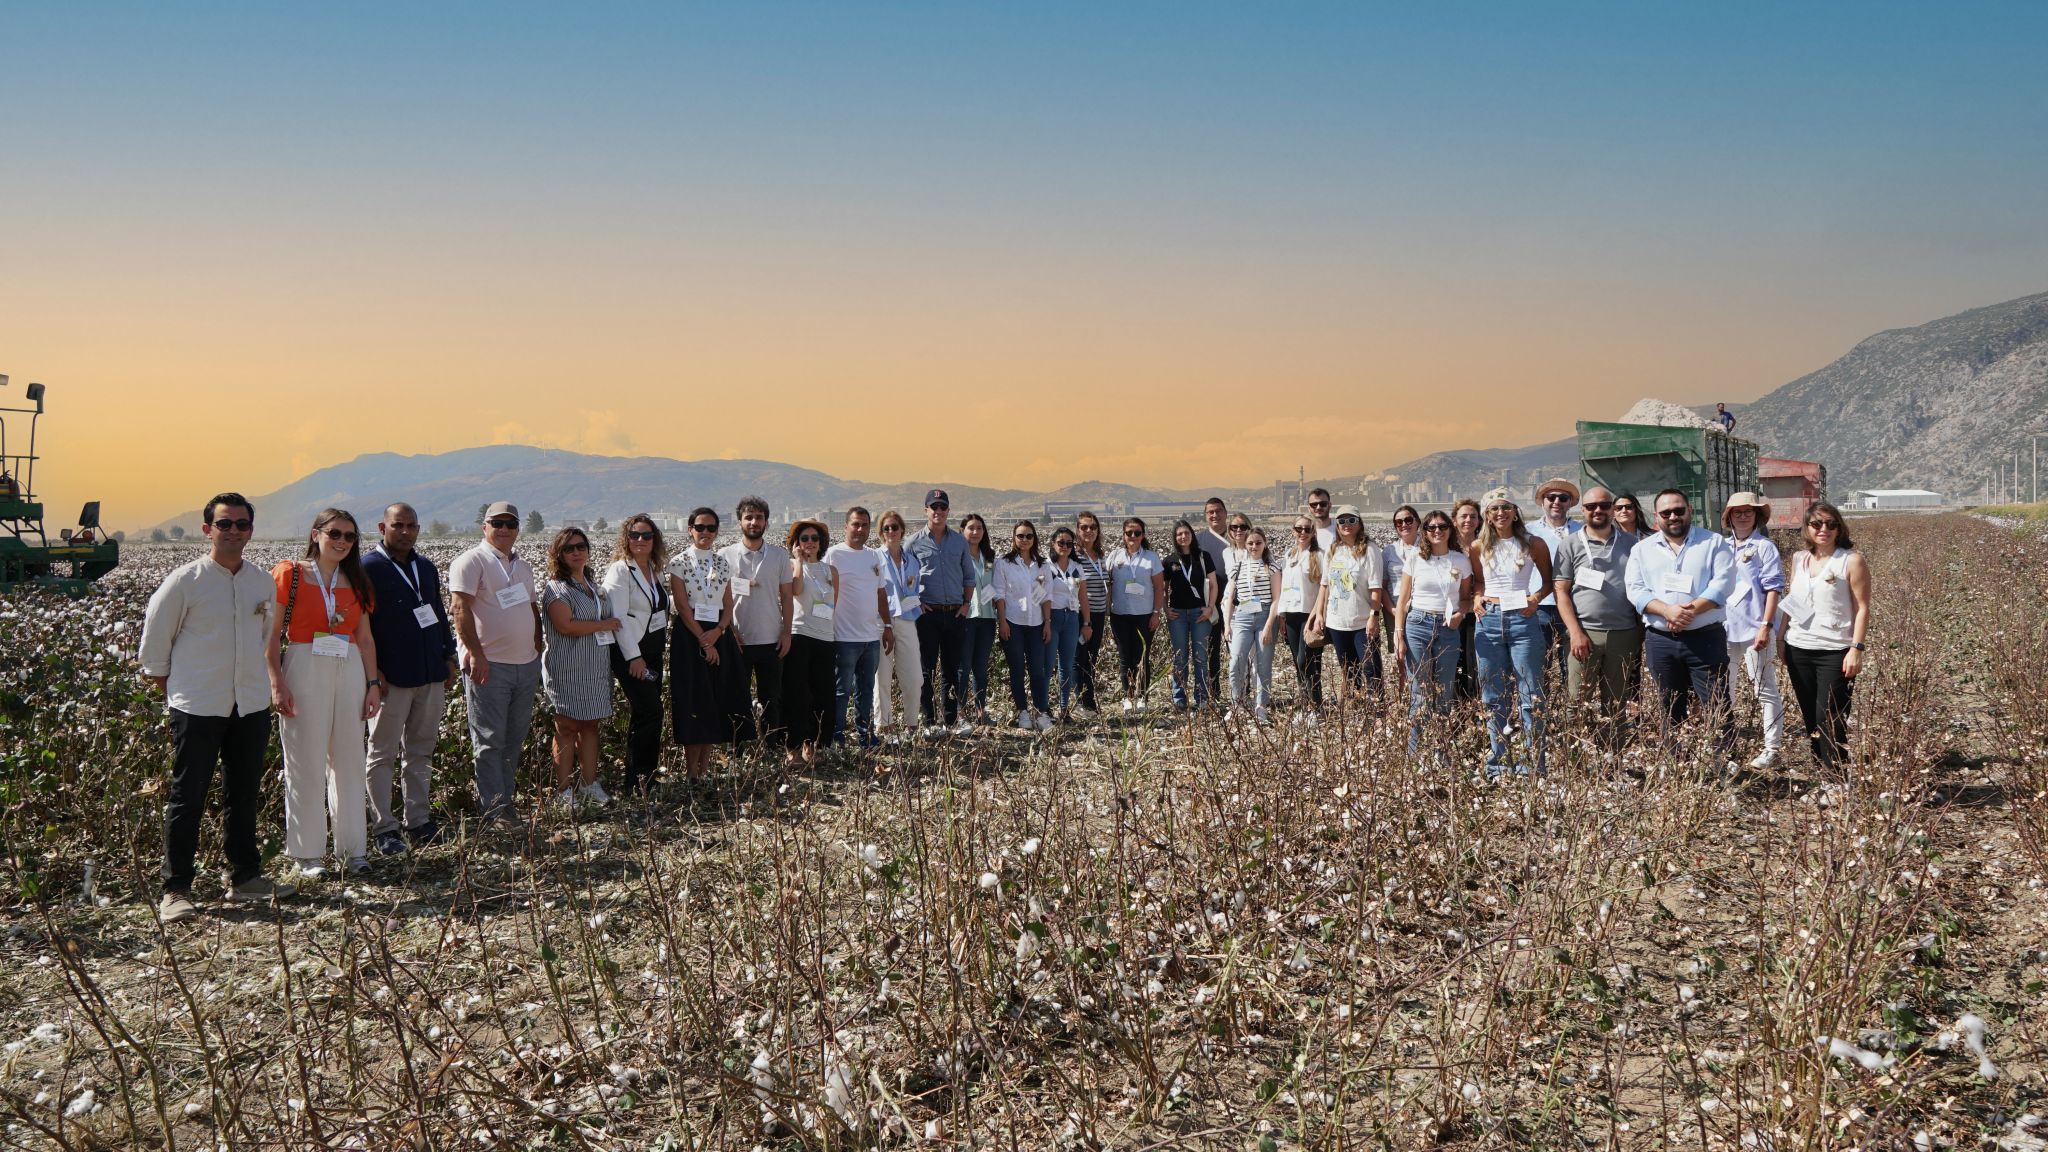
(1347, 605)
(324, 684)
(639, 594)
(1025, 625)
(1436, 585)
(904, 666)
(810, 671)
(1301, 582)
(581, 635)
(1249, 609)
(1137, 587)
(707, 680)
(1093, 561)
(1827, 616)
(1465, 518)
(980, 612)
(1628, 514)
(1066, 598)
(1511, 639)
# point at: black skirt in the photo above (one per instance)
(705, 699)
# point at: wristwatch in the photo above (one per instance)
(374, 682)
(1858, 646)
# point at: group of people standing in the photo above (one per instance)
(809, 642)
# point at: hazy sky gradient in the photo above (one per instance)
(1010, 245)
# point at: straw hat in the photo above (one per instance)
(1746, 500)
(1558, 484)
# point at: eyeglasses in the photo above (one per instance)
(503, 523)
(1564, 496)
(1830, 525)
(639, 535)
(703, 527)
(226, 525)
(1436, 527)
(1240, 527)
(1597, 505)
(892, 527)
(1027, 535)
(1319, 503)
(340, 534)
(1404, 521)
(1673, 513)
(568, 548)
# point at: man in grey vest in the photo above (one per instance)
(1605, 632)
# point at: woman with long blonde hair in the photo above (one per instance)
(1514, 567)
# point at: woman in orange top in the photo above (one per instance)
(324, 684)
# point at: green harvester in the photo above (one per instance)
(28, 559)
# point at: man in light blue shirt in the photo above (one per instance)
(945, 581)
(1556, 496)
(1680, 578)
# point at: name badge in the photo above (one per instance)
(907, 602)
(741, 587)
(657, 622)
(821, 611)
(1799, 609)
(1675, 584)
(1133, 588)
(1589, 578)
(425, 615)
(1513, 601)
(514, 596)
(606, 639)
(705, 613)
(329, 644)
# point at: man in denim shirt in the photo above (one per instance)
(946, 577)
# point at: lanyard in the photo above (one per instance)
(1187, 573)
(655, 597)
(902, 570)
(412, 563)
(327, 593)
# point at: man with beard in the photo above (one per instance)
(1604, 634)
(761, 583)
(1680, 580)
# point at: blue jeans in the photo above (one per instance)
(1251, 656)
(1066, 646)
(1027, 653)
(856, 664)
(1189, 633)
(1432, 668)
(1509, 642)
(977, 643)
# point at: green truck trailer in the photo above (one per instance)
(1708, 465)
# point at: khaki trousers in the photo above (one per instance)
(406, 729)
(323, 755)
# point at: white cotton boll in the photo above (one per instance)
(762, 1073)
(988, 881)
(839, 1092)
(1031, 846)
(1871, 1061)
(1470, 1091)
(871, 855)
(1971, 1026)
(1027, 947)
(81, 1104)
(46, 1033)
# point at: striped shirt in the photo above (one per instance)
(1252, 581)
(1096, 573)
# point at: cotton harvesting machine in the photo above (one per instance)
(28, 557)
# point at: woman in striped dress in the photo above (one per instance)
(1089, 556)
(1254, 589)
(576, 665)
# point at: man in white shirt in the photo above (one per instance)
(203, 640)
(761, 616)
(860, 626)
(1319, 515)
(1556, 496)
(1680, 579)
(497, 622)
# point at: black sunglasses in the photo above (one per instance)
(503, 523)
(581, 546)
(1303, 528)
(639, 535)
(1673, 513)
(703, 527)
(1319, 503)
(809, 538)
(1597, 505)
(1549, 496)
(226, 525)
(340, 534)
(1403, 521)
(1818, 524)
(1439, 527)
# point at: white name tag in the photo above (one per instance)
(1133, 588)
(705, 613)
(1799, 610)
(657, 622)
(425, 615)
(606, 639)
(1675, 584)
(329, 644)
(1589, 578)
(741, 587)
(1513, 601)
(513, 596)
(821, 611)
(907, 602)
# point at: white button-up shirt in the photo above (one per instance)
(1704, 569)
(1022, 589)
(205, 629)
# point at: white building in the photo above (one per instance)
(1877, 499)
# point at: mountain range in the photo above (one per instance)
(1934, 406)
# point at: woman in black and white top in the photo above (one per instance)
(1190, 614)
(1094, 564)
(707, 686)
(639, 595)
(1251, 608)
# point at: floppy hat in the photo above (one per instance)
(1745, 500)
(1559, 484)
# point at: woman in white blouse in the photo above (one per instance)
(1137, 587)
(707, 685)
(1301, 581)
(1827, 616)
(1025, 625)
(638, 593)
(1354, 588)
(1436, 586)
(1066, 600)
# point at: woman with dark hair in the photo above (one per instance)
(1354, 587)
(1248, 608)
(1465, 521)
(707, 685)
(1827, 616)
(1190, 615)
(581, 634)
(639, 594)
(1094, 564)
(1436, 583)
(810, 671)
(324, 683)
(905, 665)
(1514, 563)
(980, 612)
(1026, 625)
(1628, 513)
(1137, 586)
(1066, 602)
(1301, 581)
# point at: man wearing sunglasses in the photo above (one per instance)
(945, 579)
(498, 623)
(416, 656)
(1224, 546)
(1319, 515)
(203, 640)
(1603, 632)
(1556, 495)
(1680, 580)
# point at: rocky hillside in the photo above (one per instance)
(1929, 407)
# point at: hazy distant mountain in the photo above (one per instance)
(1930, 407)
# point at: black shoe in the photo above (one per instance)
(425, 834)
(390, 843)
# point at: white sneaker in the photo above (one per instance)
(964, 728)
(594, 792)
(565, 800)
(1765, 759)
(1141, 704)
(1024, 721)
(1130, 706)
(1044, 722)
(311, 869)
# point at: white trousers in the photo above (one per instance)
(903, 667)
(1760, 667)
(324, 755)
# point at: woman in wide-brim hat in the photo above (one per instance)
(1750, 613)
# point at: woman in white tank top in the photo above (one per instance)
(1827, 614)
(1514, 570)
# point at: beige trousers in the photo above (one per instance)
(904, 668)
(324, 755)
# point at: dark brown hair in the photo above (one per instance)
(351, 564)
(558, 567)
(623, 549)
(1842, 540)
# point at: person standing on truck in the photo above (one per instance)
(1752, 611)
(1680, 580)
(1724, 418)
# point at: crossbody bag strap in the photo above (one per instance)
(284, 634)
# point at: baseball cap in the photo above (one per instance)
(937, 496)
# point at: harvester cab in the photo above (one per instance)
(28, 558)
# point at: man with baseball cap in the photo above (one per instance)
(945, 579)
(1752, 611)
(1556, 497)
(497, 623)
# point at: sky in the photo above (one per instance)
(1020, 245)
